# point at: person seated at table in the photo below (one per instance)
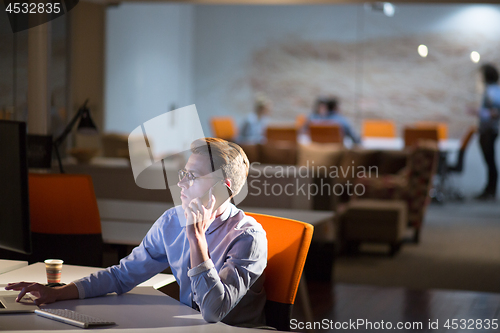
(254, 127)
(327, 111)
(218, 259)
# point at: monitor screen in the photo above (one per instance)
(15, 234)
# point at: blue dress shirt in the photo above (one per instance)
(491, 99)
(228, 287)
(337, 119)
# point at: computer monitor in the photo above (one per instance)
(15, 232)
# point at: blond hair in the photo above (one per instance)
(227, 156)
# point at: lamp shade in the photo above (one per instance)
(86, 125)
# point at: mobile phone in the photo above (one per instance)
(221, 191)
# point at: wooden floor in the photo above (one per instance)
(384, 306)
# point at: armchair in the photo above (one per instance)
(411, 186)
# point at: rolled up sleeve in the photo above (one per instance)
(145, 261)
(217, 293)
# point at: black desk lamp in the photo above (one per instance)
(86, 126)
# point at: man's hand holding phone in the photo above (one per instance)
(199, 217)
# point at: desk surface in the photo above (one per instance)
(140, 309)
(36, 273)
(10, 265)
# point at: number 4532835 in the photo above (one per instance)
(33, 8)
(471, 324)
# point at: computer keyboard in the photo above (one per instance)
(72, 318)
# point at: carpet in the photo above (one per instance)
(459, 250)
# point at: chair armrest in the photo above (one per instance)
(392, 187)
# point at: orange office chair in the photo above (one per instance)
(288, 244)
(223, 128)
(281, 133)
(326, 133)
(379, 128)
(65, 222)
(412, 135)
(442, 128)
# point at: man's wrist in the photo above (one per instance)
(194, 238)
(69, 291)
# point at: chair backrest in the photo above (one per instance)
(412, 135)
(281, 133)
(326, 133)
(63, 204)
(65, 218)
(459, 166)
(379, 128)
(288, 243)
(223, 127)
(467, 137)
(422, 163)
(442, 128)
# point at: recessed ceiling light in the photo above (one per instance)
(385, 7)
(475, 56)
(389, 9)
(423, 51)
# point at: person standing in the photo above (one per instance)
(489, 115)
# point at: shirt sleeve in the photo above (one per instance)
(217, 293)
(145, 261)
(350, 132)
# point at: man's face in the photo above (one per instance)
(199, 166)
(322, 109)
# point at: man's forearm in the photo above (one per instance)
(69, 291)
(198, 251)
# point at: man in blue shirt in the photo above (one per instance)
(217, 255)
(327, 111)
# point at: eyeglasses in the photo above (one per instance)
(190, 177)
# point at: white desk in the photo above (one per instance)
(10, 265)
(398, 144)
(127, 222)
(36, 273)
(143, 309)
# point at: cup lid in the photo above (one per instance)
(54, 261)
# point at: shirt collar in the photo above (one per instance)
(221, 218)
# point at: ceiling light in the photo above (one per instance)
(384, 7)
(423, 51)
(475, 57)
(389, 9)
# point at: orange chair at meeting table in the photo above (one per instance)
(326, 133)
(412, 135)
(378, 128)
(288, 243)
(442, 128)
(281, 133)
(224, 128)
